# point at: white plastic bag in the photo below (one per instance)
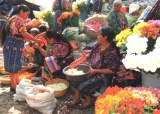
(22, 87)
(134, 7)
(42, 99)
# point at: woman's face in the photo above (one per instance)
(51, 40)
(24, 15)
(117, 7)
(101, 38)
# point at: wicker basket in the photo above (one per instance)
(4, 72)
(58, 80)
(5, 80)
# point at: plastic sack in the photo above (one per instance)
(22, 87)
(42, 99)
(133, 8)
(71, 33)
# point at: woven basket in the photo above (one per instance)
(58, 80)
(4, 72)
(5, 80)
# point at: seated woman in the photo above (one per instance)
(104, 60)
(59, 47)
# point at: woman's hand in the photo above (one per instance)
(86, 53)
(36, 46)
(91, 73)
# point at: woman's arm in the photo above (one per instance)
(29, 37)
(103, 71)
(42, 51)
(99, 71)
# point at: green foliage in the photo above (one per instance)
(49, 18)
(82, 7)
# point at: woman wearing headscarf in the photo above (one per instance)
(104, 60)
(117, 18)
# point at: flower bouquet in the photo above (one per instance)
(142, 44)
(47, 16)
(69, 19)
(65, 5)
(116, 100)
(80, 5)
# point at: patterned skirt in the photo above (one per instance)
(96, 83)
(12, 52)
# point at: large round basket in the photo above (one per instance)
(98, 20)
(58, 80)
(78, 78)
(2, 71)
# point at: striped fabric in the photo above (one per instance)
(12, 51)
(51, 64)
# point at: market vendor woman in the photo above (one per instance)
(117, 18)
(14, 42)
(105, 61)
(58, 47)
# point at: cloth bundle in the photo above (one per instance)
(51, 63)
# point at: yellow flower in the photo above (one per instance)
(121, 38)
(74, 7)
(137, 27)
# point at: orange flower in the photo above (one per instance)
(76, 13)
(67, 18)
(149, 30)
(156, 111)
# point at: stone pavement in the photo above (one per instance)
(8, 106)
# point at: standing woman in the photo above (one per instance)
(117, 18)
(14, 42)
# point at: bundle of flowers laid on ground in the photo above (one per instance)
(116, 100)
(142, 44)
(69, 19)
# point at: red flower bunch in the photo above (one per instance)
(111, 91)
(129, 106)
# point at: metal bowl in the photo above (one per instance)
(77, 78)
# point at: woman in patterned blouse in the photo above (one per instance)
(59, 47)
(14, 42)
(104, 60)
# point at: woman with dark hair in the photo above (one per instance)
(14, 42)
(104, 60)
(59, 47)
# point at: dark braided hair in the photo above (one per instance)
(18, 8)
(59, 39)
(110, 35)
